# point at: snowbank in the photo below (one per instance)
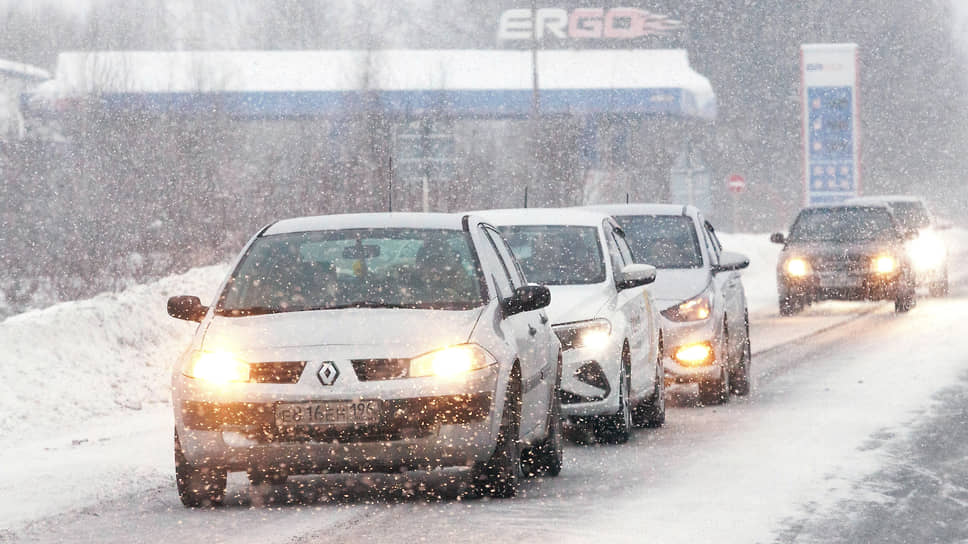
(73, 361)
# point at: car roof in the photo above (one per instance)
(871, 199)
(543, 216)
(872, 204)
(644, 209)
(447, 221)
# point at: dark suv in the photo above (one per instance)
(844, 252)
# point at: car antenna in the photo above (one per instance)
(626, 198)
(525, 196)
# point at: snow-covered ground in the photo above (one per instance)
(84, 415)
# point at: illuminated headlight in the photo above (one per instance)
(698, 354)
(217, 367)
(592, 334)
(451, 362)
(797, 267)
(927, 251)
(694, 309)
(883, 264)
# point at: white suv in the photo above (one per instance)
(371, 342)
(604, 317)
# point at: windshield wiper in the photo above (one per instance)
(252, 310)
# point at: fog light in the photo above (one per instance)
(700, 354)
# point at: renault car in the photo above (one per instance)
(372, 342)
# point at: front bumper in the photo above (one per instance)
(841, 287)
(589, 380)
(678, 334)
(424, 423)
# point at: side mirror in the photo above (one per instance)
(635, 275)
(526, 298)
(778, 238)
(186, 307)
(730, 261)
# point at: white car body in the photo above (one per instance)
(426, 422)
(726, 328)
(631, 313)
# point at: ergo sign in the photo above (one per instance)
(594, 23)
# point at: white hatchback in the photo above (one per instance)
(370, 342)
(604, 317)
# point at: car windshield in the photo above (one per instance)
(557, 254)
(355, 268)
(910, 215)
(664, 241)
(843, 224)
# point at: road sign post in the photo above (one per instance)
(735, 184)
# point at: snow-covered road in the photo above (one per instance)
(836, 390)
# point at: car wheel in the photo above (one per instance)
(267, 476)
(499, 476)
(791, 304)
(939, 288)
(617, 428)
(715, 391)
(740, 378)
(905, 300)
(652, 412)
(547, 457)
(198, 485)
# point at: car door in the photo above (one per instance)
(632, 304)
(731, 289)
(534, 339)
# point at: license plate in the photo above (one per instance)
(336, 413)
(838, 280)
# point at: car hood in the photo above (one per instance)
(418, 330)
(577, 302)
(673, 285)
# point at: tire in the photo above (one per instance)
(652, 413)
(547, 457)
(500, 475)
(617, 428)
(791, 304)
(905, 300)
(267, 476)
(739, 380)
(198, 485)
(715, 391)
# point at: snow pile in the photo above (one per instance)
(68, 363)
(759, 279)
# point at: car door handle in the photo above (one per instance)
(531, 330)
(544, 318)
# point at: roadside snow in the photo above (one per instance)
(66, 364)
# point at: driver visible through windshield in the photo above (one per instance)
(355, 268)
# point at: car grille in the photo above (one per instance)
(284, 372)
(380, 369)
(851, 264)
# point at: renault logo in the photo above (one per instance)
(328, 373)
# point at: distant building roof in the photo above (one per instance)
(23, 71)
(485, 83)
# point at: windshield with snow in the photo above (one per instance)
(664, 241)
(843, 224)
(355, 268)
(557, 255)
(910, 215)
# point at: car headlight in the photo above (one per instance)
(217, 367)
(697, 354)
(796, 267)
(696, 308)
(927, 251)
(884, 264)
(451, 362)
(593, 333)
